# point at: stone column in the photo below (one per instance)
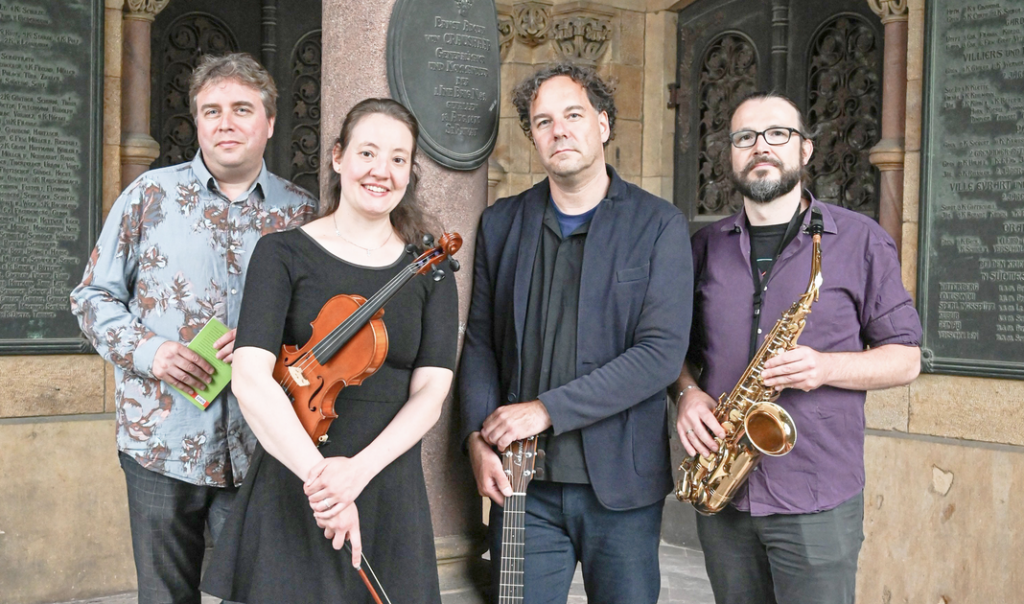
(354, 68)
(113, 22)
(138, 149)
(889, 153)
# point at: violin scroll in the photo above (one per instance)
(447, 246)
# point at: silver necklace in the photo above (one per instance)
(350, 242)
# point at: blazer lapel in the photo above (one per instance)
(533, 217)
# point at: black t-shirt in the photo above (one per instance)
(294, 277)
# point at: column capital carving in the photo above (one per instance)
(890, 11)
(532, 22)
(582, 31)
(145, 10)
(506, 29)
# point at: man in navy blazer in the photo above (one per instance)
(579, 319)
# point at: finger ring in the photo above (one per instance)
(327, 504)
(690, 431)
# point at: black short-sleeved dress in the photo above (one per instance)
(271, 550)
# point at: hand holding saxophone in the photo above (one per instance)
(696, 423)
(802, 368)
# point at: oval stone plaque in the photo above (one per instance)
(443, 64)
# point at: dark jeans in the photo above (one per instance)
(566, 524)
(168, 517)
(784, 559)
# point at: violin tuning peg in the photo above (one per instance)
(428, 240)
(438, 274)
(452, 262)
(410, 249)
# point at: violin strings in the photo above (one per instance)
(346, 326)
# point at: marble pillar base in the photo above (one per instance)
(463, 574)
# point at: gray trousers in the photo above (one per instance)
(784, 559)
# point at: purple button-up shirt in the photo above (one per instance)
(863, 303)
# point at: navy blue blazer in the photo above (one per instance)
(632, 333)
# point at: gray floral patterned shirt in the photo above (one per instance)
(173, 254)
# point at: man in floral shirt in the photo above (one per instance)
(173, 255)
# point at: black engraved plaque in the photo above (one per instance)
(443, 64)
(50, 108)
(971, 274)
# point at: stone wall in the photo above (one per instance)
(943, 455)
(63, 511)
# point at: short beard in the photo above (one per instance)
(764, 190)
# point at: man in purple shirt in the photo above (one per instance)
(793, 533)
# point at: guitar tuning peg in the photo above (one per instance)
(437, 273)
(452, 262)
(428, 240)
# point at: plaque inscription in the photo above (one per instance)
(443, 64)
(971, 289)
(50, 70)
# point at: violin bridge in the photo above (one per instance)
(296, 374)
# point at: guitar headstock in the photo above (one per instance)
(518, 461)
(446, 248)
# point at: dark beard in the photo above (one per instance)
(764, 190)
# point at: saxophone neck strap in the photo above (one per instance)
(760, 280)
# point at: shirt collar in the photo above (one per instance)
(207, 180)
(737, 223)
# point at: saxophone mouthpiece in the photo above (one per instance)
(817, 226)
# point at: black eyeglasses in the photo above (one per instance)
(780, 135)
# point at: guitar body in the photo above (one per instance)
(313, 387)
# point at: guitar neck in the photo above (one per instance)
(513, 545)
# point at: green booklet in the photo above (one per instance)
(202, 345)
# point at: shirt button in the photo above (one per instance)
(758, 331)
(234, 291)
(511, 397)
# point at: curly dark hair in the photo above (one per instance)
(601, 93)
(409, 218)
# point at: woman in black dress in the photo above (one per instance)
(299, 504)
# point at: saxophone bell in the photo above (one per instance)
(770, 429)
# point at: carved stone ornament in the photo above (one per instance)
(147, 9)
(582, 35)
(506, 29)
(889, 10)
(532, 21)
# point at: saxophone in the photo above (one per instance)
(754, 425)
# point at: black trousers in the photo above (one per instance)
(168, 518)
(784, 559)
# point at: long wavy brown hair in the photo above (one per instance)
(408, 218)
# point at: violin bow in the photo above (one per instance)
(366, 580)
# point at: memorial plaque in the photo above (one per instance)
(443, 64)
(971, 288)
(50, 111)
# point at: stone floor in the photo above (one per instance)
(683, 581)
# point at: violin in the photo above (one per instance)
(349, 342)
